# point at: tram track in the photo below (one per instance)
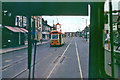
(39, 61)
(12, 64)
(24, 70)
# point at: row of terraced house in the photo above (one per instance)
(15, 29)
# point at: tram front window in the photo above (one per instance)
(55, 36)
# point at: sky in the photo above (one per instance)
(75, 23)
(68, 23)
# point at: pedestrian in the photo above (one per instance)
(108, 43)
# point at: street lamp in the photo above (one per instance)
(86, 27)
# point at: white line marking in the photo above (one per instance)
(78, 61)
(59, 60)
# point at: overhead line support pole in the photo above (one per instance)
(29, 45)
(111, 39)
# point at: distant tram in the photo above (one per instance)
(57, 38)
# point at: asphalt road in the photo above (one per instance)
(68, 61)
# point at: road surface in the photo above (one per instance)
(68, 61)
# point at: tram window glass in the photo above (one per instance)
(55, 36)
(62, 35)
(49, 36)
(118, 48)
(114, 43)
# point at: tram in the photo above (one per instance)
(57, 38)
(97, 62)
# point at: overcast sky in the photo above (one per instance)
(68, 23)
(73, 23)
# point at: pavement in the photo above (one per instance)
(85, 39)
(108, 62)
(106, 47)
(6, 50)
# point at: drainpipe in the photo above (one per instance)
(19, 39)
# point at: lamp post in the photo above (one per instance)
(86, 27)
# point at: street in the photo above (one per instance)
(60, 39)
(68, 61)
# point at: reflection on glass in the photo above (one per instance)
(55, 36)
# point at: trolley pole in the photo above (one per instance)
(35, 43)
(111, 39)
(86, 29)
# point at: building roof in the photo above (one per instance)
(12, 29)
(24, 30)
(55, 31)
(19, 29)
(16, 29)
